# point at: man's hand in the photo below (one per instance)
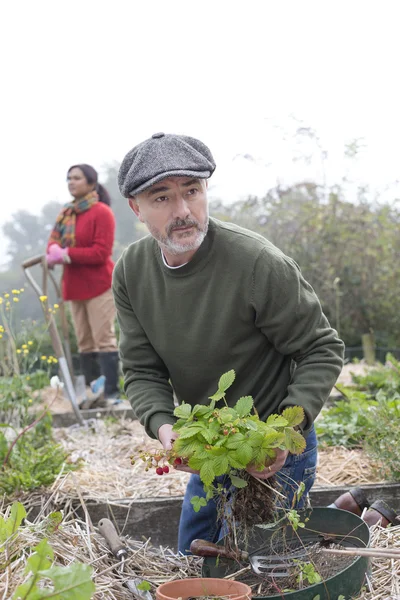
(280, 458)
(166, 436)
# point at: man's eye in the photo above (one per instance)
(192, 191)
(161, 199)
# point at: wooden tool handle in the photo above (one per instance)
(205, 548)
(30, 262)
(111, 536)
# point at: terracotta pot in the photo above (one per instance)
(203, 586)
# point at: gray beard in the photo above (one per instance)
(177, 248)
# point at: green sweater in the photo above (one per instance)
(240, 304)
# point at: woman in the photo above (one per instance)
(82, 241)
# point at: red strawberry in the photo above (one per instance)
(159, 471)
(166, 469)
(178, 461)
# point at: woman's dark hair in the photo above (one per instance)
(92, 177)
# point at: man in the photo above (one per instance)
(199, 297)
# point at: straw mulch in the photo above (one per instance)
(340, 466)
(384, 582)
(78, 540)
(107, 473)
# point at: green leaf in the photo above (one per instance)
(272, 439)
(41, 558)
(228, 415)
(196, 463)
(276, 421)
(238, 482)
(186, 448)
(294, 441)
(224, 383)
(9, 526)
(208, 435)
(294, 415)
(244, 405)
(198, 502)
(144, 586)
(190, 431)
(235, 462)
(183, 411)
(220, 465)
(207, 474)
(200, 410)
(53, 522)
(244, 453)
(70, 583)
(235, 440)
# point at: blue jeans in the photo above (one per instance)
(205, 525)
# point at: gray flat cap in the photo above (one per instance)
(162, 156)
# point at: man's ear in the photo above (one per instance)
(133, 203)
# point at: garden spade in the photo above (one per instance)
(63, 356)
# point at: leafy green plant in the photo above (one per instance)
(43, 580)
(224, 441)
(67, 583)
(382, 441)
(31, 460)
(308, 573)
(346, 422)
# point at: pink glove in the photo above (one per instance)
(57, 255)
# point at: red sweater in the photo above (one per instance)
(90, 271)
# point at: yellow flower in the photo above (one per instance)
(56, 306)
(55, 360)
(22, 290)
(49, 361)
(30, 343)
(1, 328)
(24, 346)
(30, 400)
(6, 295)
(15, 291)
(1, 300)
(18, 351)
(42, 298)
(43, 357)
(16, 299)
(26, 351)
(1, 336)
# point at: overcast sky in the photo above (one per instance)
(84, 81)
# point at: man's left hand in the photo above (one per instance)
(280, 458)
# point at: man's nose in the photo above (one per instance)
(181, 208)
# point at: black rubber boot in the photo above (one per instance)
(90, 366)
(109, 364)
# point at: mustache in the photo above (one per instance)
(182, 223)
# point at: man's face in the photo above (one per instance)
(175, 211)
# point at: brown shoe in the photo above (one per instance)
(354, 501)
(380, 511)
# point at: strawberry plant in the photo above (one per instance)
(226, 440)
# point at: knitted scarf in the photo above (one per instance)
(63, 233)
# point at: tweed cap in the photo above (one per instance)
(161, 156)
